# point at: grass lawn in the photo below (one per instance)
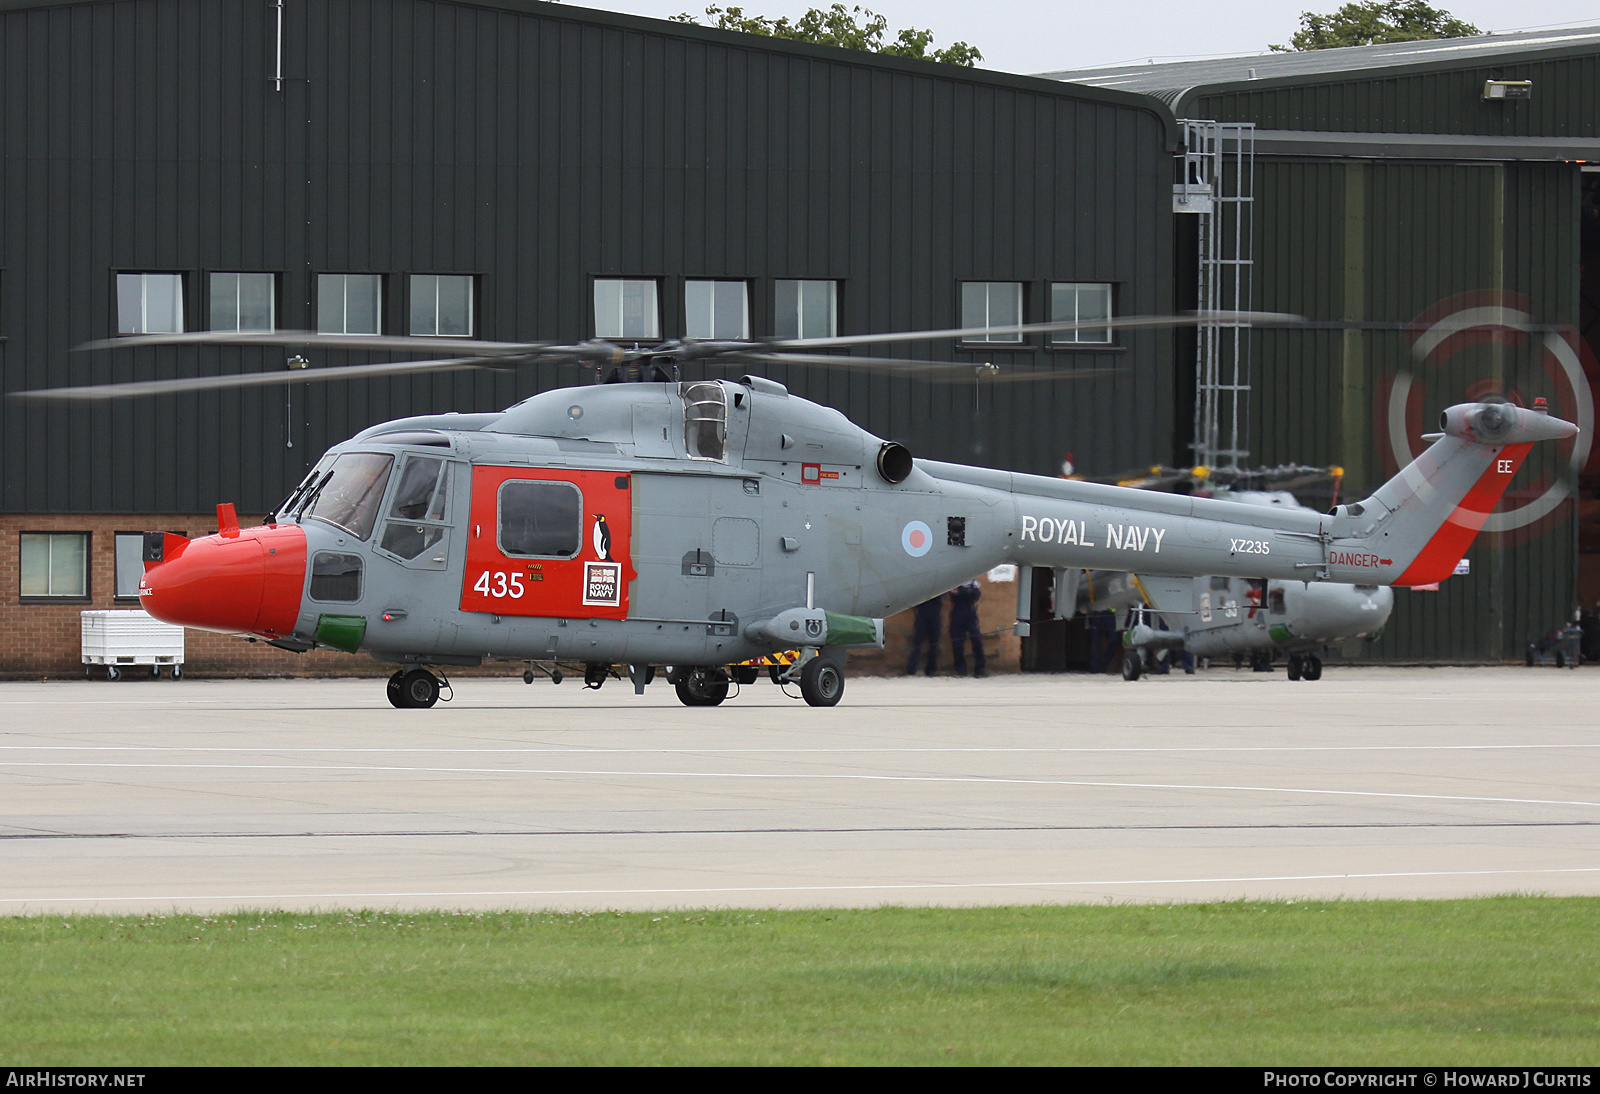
(1508, 980)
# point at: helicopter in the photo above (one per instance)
(648, 520)
(1218, 616)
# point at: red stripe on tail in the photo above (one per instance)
(1437, 559)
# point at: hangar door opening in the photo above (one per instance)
(1589, 330)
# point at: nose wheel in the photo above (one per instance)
(413, 689)
(1132, 664)
(821, 682)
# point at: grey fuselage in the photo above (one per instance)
(728, 503)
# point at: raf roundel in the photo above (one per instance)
(916, 538)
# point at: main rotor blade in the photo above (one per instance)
(828, 360)
(1132, 322)
(461, 347)
(254, 379)
(936, 372)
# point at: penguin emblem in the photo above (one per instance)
(602, 538)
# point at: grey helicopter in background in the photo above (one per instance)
(697, 524)
(1244, 619)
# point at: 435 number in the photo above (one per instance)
(499, 583)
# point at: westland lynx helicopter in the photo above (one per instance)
(1241, 618)
(698, 524)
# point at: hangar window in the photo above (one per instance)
(992, 304)
(1080, 302)
(626, 308)
(244, 301)
(54, 565)
(349, 303)
(149, 303)
(441, 304)
(540, 519)
(716, 309)
(806, 309)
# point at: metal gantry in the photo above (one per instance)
(1218, 185)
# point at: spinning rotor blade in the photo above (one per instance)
(255, 379)
(462, 347)
(1132, 322)
(937, 372)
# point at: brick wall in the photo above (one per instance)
(43, 640)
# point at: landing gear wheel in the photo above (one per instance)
(821, 682)
(396, 698)
(113, 673)
(419, 688)
(702, 687)
(1313, 670)
(1296, 666)
(527, 676)
(1132, 665)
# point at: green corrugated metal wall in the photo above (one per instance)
(1381, 242)
(1565, 91)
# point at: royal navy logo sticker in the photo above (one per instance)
(602, 584)
(916, 538)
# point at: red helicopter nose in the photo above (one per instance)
(240, 581)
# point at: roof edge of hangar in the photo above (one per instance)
(571, 13)
(1181, 94)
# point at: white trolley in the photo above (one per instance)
(122, 639)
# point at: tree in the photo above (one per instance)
(853, 28)
(1373, 22)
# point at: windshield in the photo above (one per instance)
(285, 511)
(348, 495)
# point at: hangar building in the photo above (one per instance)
(1434, 207)
(514, 170)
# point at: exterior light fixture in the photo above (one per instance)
(1496, 90)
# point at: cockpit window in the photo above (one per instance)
(417, 513)
(349, 494)
(421, 494)
(705, 419)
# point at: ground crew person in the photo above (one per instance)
(926, 634)
(964, 625)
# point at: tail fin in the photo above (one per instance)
(1421, 521)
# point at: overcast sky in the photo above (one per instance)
(1046, 35)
